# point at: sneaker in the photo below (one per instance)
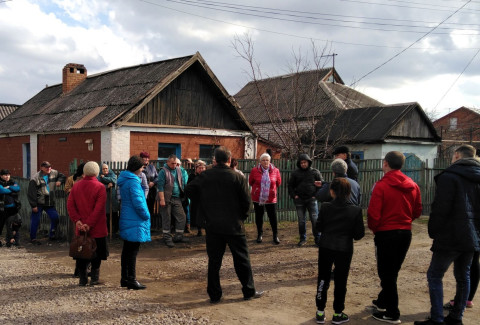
(340, 318)
(452, 321)
(378, 306)
(469, 304)
(448, 305)
(301, 242)
(256, 295)
(428, 321)
(381, 316)
(320, 317)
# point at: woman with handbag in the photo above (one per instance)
(134, 221)
(86, 208)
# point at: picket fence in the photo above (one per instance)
(369, 172)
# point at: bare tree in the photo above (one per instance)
(294, 105)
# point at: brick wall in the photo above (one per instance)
(61, 153)
(467, 130)
(190, 144)
(72, 75)
(12, 157)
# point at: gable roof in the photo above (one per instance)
(447, 116)
(7, 109)
(293, 94)
(108, 98)
(405, 121)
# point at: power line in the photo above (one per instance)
(265, 14)
(461, 73)
(293, 35)
(405, 49)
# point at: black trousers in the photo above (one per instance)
(326, 259)
(216, 245)
(129, 260)
(272, 216)
(391, 248)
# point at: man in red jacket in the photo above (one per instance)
(394, 204)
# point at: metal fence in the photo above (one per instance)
(370, 171)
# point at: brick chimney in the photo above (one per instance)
(72, 75)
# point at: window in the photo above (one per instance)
(167, 149)
(453, 123)
(206, 150)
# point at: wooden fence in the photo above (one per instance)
(369, 172)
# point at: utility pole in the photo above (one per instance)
(333, 55)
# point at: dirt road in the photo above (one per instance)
(176, 279)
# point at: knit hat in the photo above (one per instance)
(91, 168)
(341, 149)
(339, 166)
(4, 172)
(134, 163)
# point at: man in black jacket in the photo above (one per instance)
(302, 185)
(223, 199)
(343, 152)
(454, 226)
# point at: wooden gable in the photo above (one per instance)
(412, 126)
(191, 100)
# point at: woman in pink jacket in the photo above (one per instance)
(264, 180)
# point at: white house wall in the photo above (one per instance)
(115, 144)
(425, 152)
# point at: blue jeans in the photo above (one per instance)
(441, 260)
(302, 207)
(51, 212)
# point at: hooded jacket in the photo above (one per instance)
(454, 223)
(134, 216)
(395, 202)
(302, 181)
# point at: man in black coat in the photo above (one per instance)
(343, 152)
(454, 226)
(223, 199)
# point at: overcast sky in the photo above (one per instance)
(394, 51)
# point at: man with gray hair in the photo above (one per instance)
(339, 169)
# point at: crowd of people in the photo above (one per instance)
(216, 199)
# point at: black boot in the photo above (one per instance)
(82, 272)
(123, 280)
(95, 275)
(76, 273)
(132, 282)
(135, 285)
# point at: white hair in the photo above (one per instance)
(265, 155)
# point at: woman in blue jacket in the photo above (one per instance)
(134, 220)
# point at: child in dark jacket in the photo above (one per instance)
(339, 223)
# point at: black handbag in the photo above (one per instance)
(83, 247)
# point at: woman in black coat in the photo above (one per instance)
(339, 223)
